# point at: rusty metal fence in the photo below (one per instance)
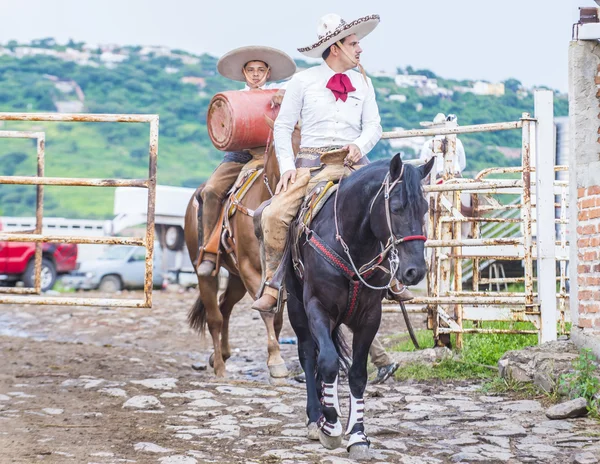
(447, 303)
(33, 295)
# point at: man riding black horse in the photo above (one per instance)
(338, 110)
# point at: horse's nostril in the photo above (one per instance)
(410, 274)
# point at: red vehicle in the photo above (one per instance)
(17, 262)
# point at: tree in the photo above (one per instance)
(512, 84)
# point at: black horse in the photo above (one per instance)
(370, 233)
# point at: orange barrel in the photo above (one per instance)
(236, 119)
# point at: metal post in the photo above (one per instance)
(546, 233)
(527, 238)
(457, 235)
(39, 215)
(151, 209)
(39, 137)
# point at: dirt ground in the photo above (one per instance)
(101, 385)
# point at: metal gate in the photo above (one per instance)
(498, 232)
(33, 295)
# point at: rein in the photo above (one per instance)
(390, 250)
(266, 156)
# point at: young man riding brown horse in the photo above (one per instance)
(256, 66)
(338, 111)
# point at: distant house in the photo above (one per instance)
(383, 74)
(397, 98)
(485, 88)
(20, 52)
(412, 143)
(156, 51)
(70, 106)
(113, 58)
(199, 82)
(171, 70)
(189, 60)
(410, 80)
(70, 54)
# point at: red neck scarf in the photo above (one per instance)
(340, 85)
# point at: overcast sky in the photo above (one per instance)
(461, 39)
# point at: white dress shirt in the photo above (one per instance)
(267, 86)
(325, 121)
(460, 160)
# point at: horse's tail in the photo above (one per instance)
(197, 316)
(342, 348)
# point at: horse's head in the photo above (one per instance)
(403, 210)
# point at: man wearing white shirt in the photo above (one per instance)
(337, 108)
(255, 66)
(460, 160)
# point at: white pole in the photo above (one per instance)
(545, 156)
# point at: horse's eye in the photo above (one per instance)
(396, 206)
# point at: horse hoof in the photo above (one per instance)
(360, 452)
(211, 360)
(220, 372)
(328, 441)
(278, 370)
(278, 381)
(312, 431)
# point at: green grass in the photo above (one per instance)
(583, 382)
(520, 390)
(478, 358)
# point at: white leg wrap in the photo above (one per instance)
(330, 396)
(332, 430)
(357, 413)
(358, 437)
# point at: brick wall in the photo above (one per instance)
(584, 192)
(588, 257)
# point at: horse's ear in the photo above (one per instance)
(396, 167)
(426, 168)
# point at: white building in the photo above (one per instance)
(486, 88)
(383, 74)
(413, 143)
(113, 58)
(410, 80)
(20, 52)
(397, 98)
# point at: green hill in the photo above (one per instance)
(44, 76)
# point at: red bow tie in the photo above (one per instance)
(340, 85)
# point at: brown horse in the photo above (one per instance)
(244, 276)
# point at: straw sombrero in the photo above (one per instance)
(231, 64)
(332, 28)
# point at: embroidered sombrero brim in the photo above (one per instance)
(231, 64)
(361, 27)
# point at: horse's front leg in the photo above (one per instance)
(330, 427)
(307, 354)
(275, 362)
(358, 443)
(251, 276)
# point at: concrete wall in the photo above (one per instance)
(584, 174)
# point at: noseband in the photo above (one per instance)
(390, 250)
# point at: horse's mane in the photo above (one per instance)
(371, 176)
